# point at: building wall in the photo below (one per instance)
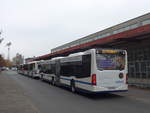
(18, 59)
(125, 26)
(139, 63)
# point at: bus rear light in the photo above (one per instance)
(94, 79)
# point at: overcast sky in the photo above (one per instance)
(36, 26)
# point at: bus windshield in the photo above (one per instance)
(109, 61)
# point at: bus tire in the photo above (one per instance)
(72, 85)
(53, 81)
(42, 77)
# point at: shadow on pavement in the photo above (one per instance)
(97, 96)
(100, 96)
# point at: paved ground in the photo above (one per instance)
(20, 94)
(12, 98)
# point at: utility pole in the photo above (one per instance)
(8, 45)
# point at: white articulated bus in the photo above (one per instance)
(94, 70)
(23, 69)
(34, 69)
(20, 69)
(48, 69)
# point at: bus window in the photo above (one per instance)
(46, 68)
(53, 70)
(66, 69)
(86, 65)
(108, 61)
(79, 69)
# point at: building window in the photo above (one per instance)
(148, 69)
(143, 70)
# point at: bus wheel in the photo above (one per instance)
(41, 77)
(53, 81)
(73, 89)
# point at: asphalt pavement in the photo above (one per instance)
(42, 97)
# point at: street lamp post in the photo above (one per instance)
(8, 45)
